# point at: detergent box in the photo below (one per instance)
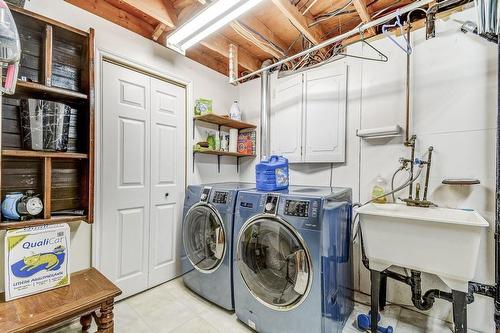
(36, 260)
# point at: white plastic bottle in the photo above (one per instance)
(235, 112)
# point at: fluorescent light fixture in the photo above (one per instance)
(214, 17)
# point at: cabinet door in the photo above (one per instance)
(325, 108)
(286, 118)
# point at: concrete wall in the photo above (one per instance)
(143, 52)
(454, 92)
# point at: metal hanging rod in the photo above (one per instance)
(362, 28)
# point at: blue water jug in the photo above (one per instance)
(272, 174)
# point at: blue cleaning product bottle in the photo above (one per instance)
(272, 174)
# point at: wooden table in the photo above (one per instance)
(89, 291)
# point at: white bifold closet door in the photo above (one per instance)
(142, 178)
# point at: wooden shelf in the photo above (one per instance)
(43, 154)
(221, 153)
(60, 69)
(7, 225)
(223, 121)
(41, 90)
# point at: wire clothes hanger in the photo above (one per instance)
(337, 55)
(406, 48)
(382, 57)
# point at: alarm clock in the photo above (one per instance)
(19, 206)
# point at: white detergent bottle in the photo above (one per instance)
(235, 112)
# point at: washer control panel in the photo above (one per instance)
(298, 208)
(220, 197)
(205, 194)
(271, 204)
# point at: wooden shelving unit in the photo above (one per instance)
(6, 225)
(57, 64)
(213, 118)
(220, 153)
(220, 121)
(46, 92)
(42, 154)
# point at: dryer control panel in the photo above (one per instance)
(299, 208)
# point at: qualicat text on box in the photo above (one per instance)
(36, 260)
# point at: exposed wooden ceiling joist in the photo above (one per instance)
(274, 28)
(256, 40)
(220, 44)
(263, 32)
(363, 13)
(301, 22)
(162, 10)
(209, 58)
(159, 30)
(116, 15)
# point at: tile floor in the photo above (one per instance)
(172, 307)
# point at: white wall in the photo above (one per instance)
(122, 43)
(454, 92)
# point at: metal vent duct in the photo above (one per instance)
(265, 112)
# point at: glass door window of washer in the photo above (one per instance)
(204, 238)
(274, 263)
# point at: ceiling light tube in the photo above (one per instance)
(214, 17)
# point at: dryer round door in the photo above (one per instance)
(204, 238)
(274, 262)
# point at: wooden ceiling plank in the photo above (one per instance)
(363, 13)
(200, 54)
(116, 15)
(160, 28)
(301, 22)
(187, 12)
(256, 40)
(309, 6)
(220, 44)
(162, 10)
(256, 25)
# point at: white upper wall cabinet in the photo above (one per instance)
(286, 118)
(324, 114)
(308, 115)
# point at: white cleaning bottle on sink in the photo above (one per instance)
(235, 112)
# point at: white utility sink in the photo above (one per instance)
(440, 241)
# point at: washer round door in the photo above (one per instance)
(274, 262)
(204, 238)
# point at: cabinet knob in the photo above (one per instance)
(166, 195)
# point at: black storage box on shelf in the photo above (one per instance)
(45, 125)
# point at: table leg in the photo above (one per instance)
(86, 321)
(375, 288)
(459, 311)
(106, 323)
